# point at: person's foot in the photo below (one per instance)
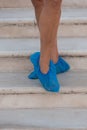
(49, 80)
(61, 66)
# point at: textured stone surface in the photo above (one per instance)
(75, 82)
(24, 47)
(75, 3)
(20, 64)
(24, 128)
(61, 118)
(47, 100)
(21, 23)
(14, 53)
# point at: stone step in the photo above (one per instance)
(15, 3)
(17, 91)
(14, 53)
(27, 3)
(17, 23)
(44, 119)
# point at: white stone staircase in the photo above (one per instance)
(24, 104)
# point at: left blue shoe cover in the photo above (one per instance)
(49, 81)
(61, 66)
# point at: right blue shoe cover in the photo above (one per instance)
(61, 66)
(49, 81)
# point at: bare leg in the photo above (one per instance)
(48, 25)
(39, 6)
(54, 51)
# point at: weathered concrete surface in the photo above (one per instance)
(20, 64)
(20, 101)
(18, 83)
(19, 128)
(25, 47)
(61, 118)
(16, 23)
(75, 3)
(17, 91)
(14, 53)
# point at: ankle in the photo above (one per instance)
(54, 58)
(54, 53)
(44, 66)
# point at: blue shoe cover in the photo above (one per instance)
(61, 66)
(49, 81)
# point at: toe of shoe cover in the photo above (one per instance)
(49, 81)
(33, 59)
(62, 66)
(33, 75)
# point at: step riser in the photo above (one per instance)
(65, 119)
(13, 128)
(75, 3)
(24, 65)
(27, 3)
(17, 91)
(43, 101)
(27, 31)
(24, 128)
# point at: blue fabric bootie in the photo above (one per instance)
(49, 81)
(61, 66)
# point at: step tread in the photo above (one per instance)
(59, 118)
(75, 82)
(27, 15)
(24, 47)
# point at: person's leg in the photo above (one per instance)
(48, 26)
(54, 51)
(61, 65)
(38, 5)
